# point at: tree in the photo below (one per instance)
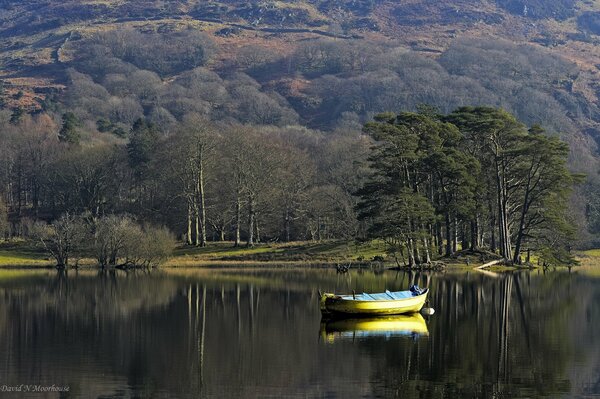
(497, 135)
(4, 224)
(119, 241)
(86, 180)
(141, 151)
(62, 239)
(253, 161)
(546, 186)
(425, 170)
(143, 141)
(191, 153)
(17, 116)
(390, 199)
(111, 236)
(68, 132)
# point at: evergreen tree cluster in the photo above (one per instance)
(475, 179)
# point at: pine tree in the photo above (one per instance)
(69, 132)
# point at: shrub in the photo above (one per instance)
(120, 241)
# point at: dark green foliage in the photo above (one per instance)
(104, 125)
(69, 131)
(419, 177)
(119, 132)
(143, 140)
(17, 116)
(527, 178)
(476, 174)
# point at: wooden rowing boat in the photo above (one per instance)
(409, 325)
(385, 303)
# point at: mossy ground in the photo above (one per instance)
(21, 253)
(282, 253)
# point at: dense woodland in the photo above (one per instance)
(476, 175)
(421, 181)
(270, 147)
(205, 182)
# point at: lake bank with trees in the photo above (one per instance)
(329, 254)
(429, 187)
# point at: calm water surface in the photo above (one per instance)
(258, 333)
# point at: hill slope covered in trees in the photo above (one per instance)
(326, 65)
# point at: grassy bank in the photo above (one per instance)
(328, 252)
(21, 253)
(24, 254)
(589, 262)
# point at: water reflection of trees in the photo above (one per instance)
(507, 337)
(236, 335)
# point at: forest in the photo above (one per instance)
(420, 181)
(158, 129)
(476, 175)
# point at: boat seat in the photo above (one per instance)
(383, 296)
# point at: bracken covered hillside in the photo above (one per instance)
(34, 32)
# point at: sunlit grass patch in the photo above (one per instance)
(301, 251)
(19, 253)
(589, 262)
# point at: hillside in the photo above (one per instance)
(327, 65)
(33, 32)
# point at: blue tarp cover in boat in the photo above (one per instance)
(383, 296)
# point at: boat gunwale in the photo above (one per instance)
(340, 298)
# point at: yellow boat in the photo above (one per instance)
(385, 303)
(412, 325)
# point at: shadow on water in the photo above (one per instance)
(256, 333)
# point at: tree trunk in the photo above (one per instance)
(188, 234)
(463, 237)
(319, 228)
(521, 231)
(238, 220)
(201, 201)
(475, 233)
(448, 235)
(524, 210)
(196, 226)
(256, 229)
(287, 224)
(501, 216)
(439, 238)
(250, 241)
(427, 258)
(411, 254)
(454, 235)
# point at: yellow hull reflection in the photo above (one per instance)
(385, 326)
(335, 304)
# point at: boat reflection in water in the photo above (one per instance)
(407, 325)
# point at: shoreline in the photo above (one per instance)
(20, 255)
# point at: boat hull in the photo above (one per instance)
(334, 304)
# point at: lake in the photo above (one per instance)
(244, 333)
